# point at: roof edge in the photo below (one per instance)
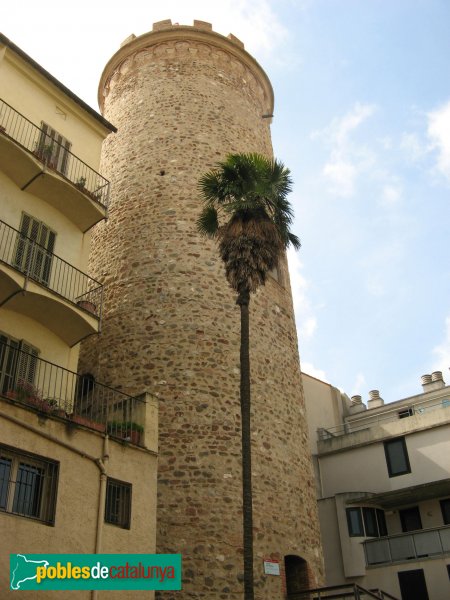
(9, 44)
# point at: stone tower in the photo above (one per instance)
(182, 98)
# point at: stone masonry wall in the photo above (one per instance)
(182, 98)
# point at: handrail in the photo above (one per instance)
(385, 550)
(391, 415)
(79, 398)
(39, 264)
(348, 590)
(53, 154)
(382, 594)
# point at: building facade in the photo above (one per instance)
(182, 98)
(383, 487)
(72, 451)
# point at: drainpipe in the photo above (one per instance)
(101, 464)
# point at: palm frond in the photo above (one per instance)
(249, 192)
(208, 222)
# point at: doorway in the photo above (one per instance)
(297, 575)
(413, 585)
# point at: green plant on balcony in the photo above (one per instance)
(81, 183)
(28, 394)
(45, 153)
(126, 430)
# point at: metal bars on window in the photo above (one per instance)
(28, 485)
(118, 503)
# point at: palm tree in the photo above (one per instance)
(246, 210)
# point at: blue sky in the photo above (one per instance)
(362, 119)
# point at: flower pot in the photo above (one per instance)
(81, 420)
(88, 306)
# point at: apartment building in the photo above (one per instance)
(383, 488)
(77, 457)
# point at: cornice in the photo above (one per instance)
(183, 33)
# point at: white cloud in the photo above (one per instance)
(306, 320)
(391, 194)
(412, 146)
(442, 352)
(360, 381)
(439, 135)
(255, 22)
(308, 327)
(347, 159)
(310, 369)
(341, 174)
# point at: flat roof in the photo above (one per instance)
(7, 42)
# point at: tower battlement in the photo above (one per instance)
(167, 39)
(167, 25)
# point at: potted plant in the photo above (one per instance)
(81, 183)
(126, 430)
(87, 305)
(87, 422)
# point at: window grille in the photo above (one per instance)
(28, 485)
(118, 503)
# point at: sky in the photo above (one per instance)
(362, 120)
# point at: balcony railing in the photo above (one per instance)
(80, 399)
(53, 154)
(408, 546)
(36, 262)
(385, 416)
(347, 591)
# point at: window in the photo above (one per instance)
(18, 363)
(118, 503)
(28, 485)
(397, 457)
(366, 522)
(355, 523)
(406, 412)
(53, 148)
(445, 508)
(410, 519)
(34, 249)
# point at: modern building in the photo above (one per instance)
(77, 458)
(182, 98)
(383, 488)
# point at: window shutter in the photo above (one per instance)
(35, 259)
(27, 367)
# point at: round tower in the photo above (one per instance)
(182, 98)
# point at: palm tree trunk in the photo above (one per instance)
(247, 504)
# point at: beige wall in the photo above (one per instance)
(78, 495)
(71, 244)
(435, 572)
(50, 346)
(325, 406)
(363, 468)
(30, 93)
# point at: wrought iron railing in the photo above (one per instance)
(80, 399)
(408, 546)
(36, 262)
(53, 154)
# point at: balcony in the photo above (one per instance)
(53, 391)
(424, 543)
(37, 283)
(44, 167)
